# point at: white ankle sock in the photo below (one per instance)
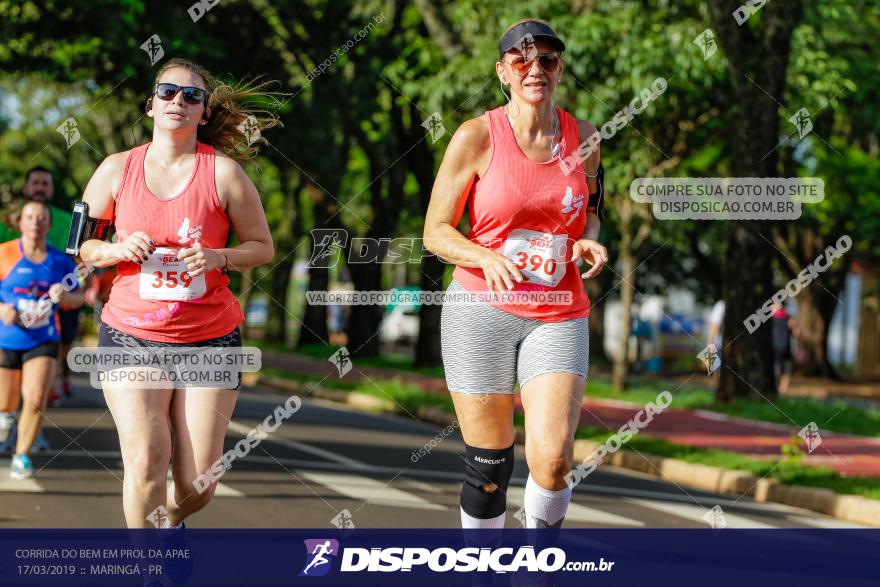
(545, 508)
(470, 522)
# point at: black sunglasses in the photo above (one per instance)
(549, 62)
(191, 95)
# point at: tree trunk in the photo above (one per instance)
(757, 59)
(627, 267)
(595, 289)
(285, 241)
(314, 323)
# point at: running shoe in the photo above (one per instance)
(21, 468)
(53, 398)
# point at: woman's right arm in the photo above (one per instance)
(99, 195)
(466, 155)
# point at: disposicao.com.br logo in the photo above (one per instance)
(320, 553)
(439, 560)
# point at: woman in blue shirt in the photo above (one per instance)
(34, 280)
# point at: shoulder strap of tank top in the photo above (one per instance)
(132, 172)
(569, 131)
(501, 133)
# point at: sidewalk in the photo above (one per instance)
(849, 455)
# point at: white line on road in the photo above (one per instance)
(369, 490)
(824, 522)
(8, 484)
(357, 487)
(695, 513)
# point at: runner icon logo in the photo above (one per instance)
(319, 556)
(187, 233)
(572, 204)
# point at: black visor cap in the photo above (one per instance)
(512, 39)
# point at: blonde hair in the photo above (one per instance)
(229, 107)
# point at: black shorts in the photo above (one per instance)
(781, 363)
(69, 320)
(110, 338)
(15, 359)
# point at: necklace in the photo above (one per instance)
(554, 148)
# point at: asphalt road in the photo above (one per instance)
(327, 464)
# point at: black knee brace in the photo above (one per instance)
(486, 466)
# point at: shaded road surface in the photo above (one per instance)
(327, 463)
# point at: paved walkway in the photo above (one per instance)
(849, 455)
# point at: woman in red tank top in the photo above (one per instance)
(531, 222)
(173, 202)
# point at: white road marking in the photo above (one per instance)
(695, 513)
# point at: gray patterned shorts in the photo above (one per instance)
(487, 350)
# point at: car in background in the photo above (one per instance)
(400, 324)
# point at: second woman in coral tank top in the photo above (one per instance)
(173, 203)
(516, 310)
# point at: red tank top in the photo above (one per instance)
(158, 300)
(532, 213)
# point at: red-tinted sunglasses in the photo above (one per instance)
(549, 62)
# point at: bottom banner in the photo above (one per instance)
(546, 557)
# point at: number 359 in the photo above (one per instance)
(171, 279)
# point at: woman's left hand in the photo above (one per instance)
(593, 253)
(199, 260)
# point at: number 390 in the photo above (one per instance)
(171, 279)
(536, 261)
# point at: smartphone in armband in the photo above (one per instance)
(78, 222)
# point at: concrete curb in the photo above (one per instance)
(851, 508)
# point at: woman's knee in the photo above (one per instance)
(32, 400)
(550, 463)
(149, 463)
